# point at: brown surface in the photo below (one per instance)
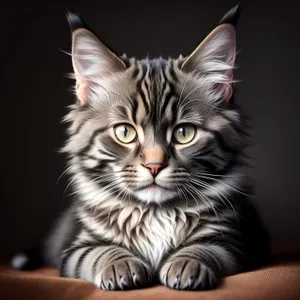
(279, 281)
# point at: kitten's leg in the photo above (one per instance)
(197, 267)
(109, 267)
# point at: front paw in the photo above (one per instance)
(124, 274)
(188, 274)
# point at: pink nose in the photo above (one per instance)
(154, 167)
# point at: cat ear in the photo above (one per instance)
(214, 58)
(92, 60)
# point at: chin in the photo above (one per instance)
(155, 194)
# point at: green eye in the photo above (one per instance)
(184, 134)
(125, 133)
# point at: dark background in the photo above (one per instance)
(35, 92)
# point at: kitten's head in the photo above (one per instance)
(153, 130)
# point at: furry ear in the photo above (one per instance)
(214, 58)
(92, 60)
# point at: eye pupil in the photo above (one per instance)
(183, 132)
(125, 132)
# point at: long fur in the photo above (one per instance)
(196, 226)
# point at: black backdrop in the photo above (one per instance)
(35, 92)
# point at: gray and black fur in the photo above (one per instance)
(196, 225)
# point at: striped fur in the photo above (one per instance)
(189, 231)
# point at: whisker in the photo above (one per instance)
(191, 191)
(71, 181)
(219, 195)
(202, 196)
(183, 87)
(62, 174)
(95, 180)
(225, 183)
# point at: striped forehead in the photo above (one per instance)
(155, 99)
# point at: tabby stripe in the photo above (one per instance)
(168, 96)
(114, 271)
(136, 152)
(87, 156)
(113, 258)
(66, 257)
(238, 129)
(105, 152)
(122, 112)
(230, 164)
(93, 173)
(172, 72)
(197, 274)
(80, 261)
(174, 112)
(164, 84)
(219, 139)
(147, 85)
(112, 255)
(182, 270)
(166, 100)
(129, 270)
(67, 253)
(134, 110)
(185, 256)
(210, 259)
(146, 105)
(167, 273)
(90, 231)
(98, 257)
(207, 164)
(209, 148)
(78, 129)
(136, 71)
(141, 92)
(221, 142)
(91, 141)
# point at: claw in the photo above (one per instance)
(189, 283)
(176, 282)
(122, 283)
(111, 285)
(134, 279)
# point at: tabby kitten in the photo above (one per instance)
(155, 154)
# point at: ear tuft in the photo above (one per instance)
(232, 16)
(75, 21)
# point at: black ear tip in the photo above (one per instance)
(232, 16)
(75, 21)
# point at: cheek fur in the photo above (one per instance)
(117, 150)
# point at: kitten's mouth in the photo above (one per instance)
(154, 192)
(150, 187)
(153, 187)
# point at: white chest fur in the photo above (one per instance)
(149, 230)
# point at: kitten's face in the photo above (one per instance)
(154, 130)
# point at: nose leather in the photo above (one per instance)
(154, 158)
(154, 167)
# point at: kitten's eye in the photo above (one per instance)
(184, 134)
(125, 133)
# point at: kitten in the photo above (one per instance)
(156, 156)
